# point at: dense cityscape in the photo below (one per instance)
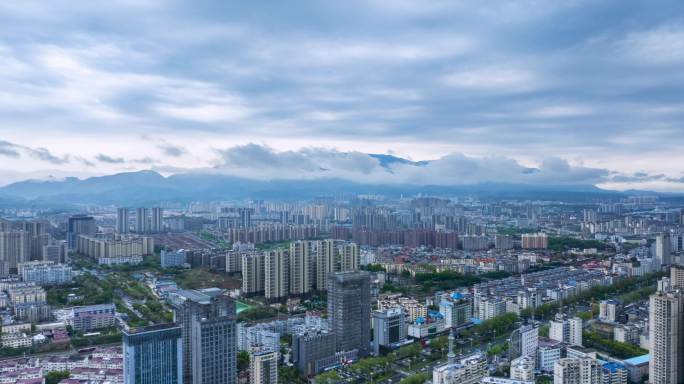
(364, 289)
(342, 192)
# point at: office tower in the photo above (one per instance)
(300, 267)
(276, 274)
(214, 345)
(389, 329)
(263, 367)
(122, 220)
(666, 333)
(79, 225)
(207, 320)
(253, 273)
(14, 249)
(663, 253)
(524, 341)
(577, 371)
(153, 355)
(566, 330)
(141, 220)
(157, 220)
(349, 310)
(608, 310)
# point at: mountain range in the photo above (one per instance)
(148, 187)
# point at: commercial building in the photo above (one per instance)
(208, 326)
(389, 329)
(311, 350)
(349, 310)
(153, 355)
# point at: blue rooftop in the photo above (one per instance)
(456, 296)
(613, 366)
(638, 360)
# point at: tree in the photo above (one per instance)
(419, 378)
(55, 377)
(242, 360)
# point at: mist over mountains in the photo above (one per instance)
(149, 186)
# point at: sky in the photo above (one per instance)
(574, 92)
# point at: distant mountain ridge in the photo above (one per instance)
(149, 186)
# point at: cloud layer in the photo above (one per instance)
(92, 87)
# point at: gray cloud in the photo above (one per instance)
(44, 154)
(262, 162)
(109, 159)
(598, 81)
(8, 149)
(172, 150)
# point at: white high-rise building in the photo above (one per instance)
(300, 267)
(666, 333)
(157, 224)
(608, 310)
(276, 274)
(566, 330)
(577, 371)
(141, 220)
(263, 367)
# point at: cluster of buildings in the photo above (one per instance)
(115, 249)
(100, 366)
(302, 269)
(23, 241)
(147, 220)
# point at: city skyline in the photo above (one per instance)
(524, 92)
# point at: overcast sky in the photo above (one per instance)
(538, 91)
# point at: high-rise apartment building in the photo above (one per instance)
(524, 341)
(122, 225)
(568, 330)
(300, 267)
(153, 355)
(141, 220)
(263, 367)
(666, 333)
(14, 249)
(349, 307)
(535, 240)
(157, 224)
(677, 277)
(253, 270)
(276, 274)
(577, 371)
